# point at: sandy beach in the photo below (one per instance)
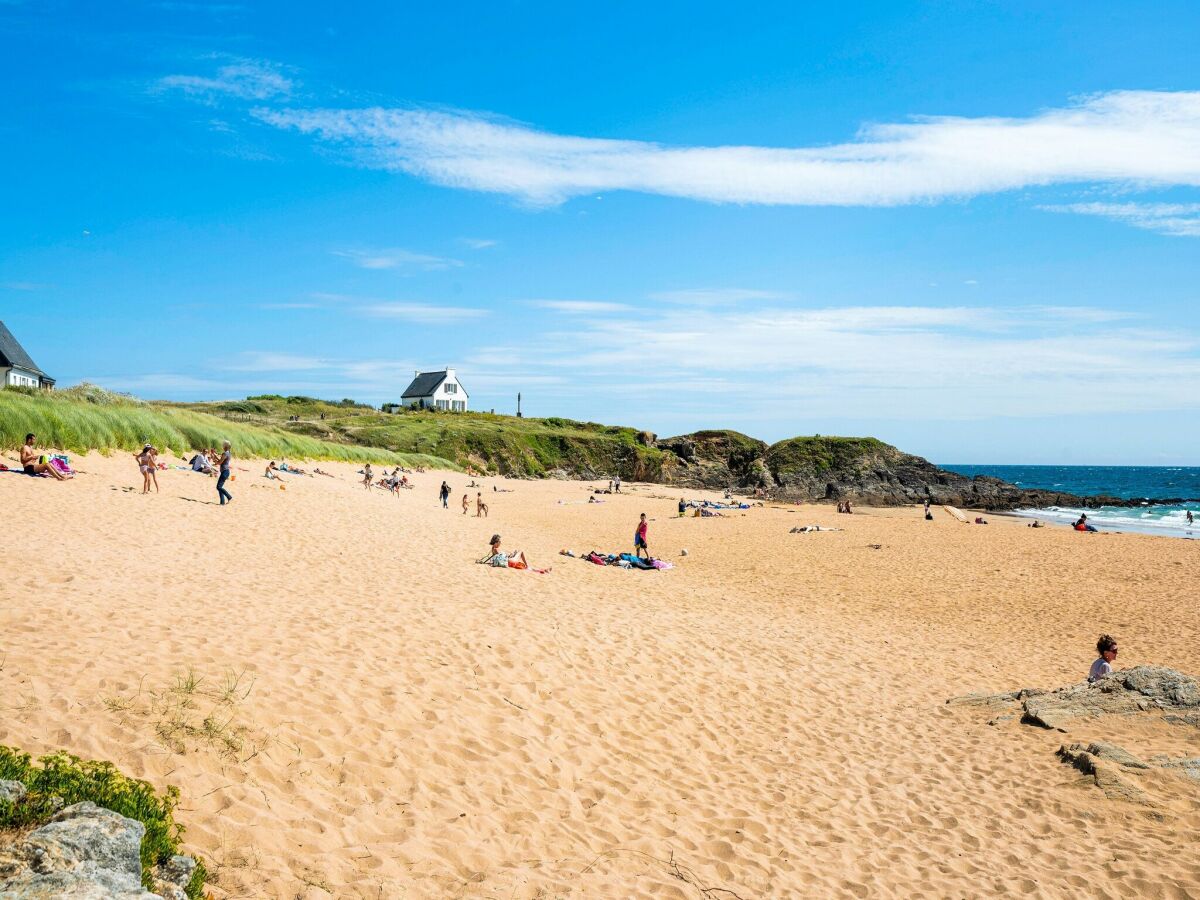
(351, 707)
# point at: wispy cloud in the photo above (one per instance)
(479, 243)
(1145, 137)
(884, 362)
(714, 296)
(397, 259)
(1175, 219)
(238, 78)
(422, 313)
(580, 306)
(259, 361)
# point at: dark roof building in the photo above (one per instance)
(16, 366)
(436, 390)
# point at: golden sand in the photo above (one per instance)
(371, 714)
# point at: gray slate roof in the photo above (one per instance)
(424, 384)
(13, 354)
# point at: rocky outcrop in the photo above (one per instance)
(862, 470)
(715, 460)
(85, 852)
(1156, 691)
(1140, 689)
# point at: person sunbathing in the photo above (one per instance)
(32, 464)
(514, 559)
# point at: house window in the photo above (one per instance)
(458, 405)
(451, 388)
(441, 404)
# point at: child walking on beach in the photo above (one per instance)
(639, 538)
(466, 503)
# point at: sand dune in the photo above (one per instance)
(387, 719)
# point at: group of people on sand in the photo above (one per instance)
(844, 507)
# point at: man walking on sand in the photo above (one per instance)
(445, 495)
(226, 463)
(639, 538)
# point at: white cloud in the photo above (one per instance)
(1175, 219)
(422, 313)
(397, 259)
(479, 243)
(1142, 137)
(878, 362)
(580, 306)
(243, 79)
(714, 296)
(258, 361)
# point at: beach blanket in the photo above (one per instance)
(958, 514)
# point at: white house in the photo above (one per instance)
(16, 367)
(436, 390)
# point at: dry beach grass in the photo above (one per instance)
(352, 708)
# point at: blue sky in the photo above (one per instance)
(970, 229)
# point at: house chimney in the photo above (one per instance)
(449, 371)
(416, 373)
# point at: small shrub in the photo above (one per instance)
(75, 780)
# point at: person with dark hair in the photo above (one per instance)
(639, 538)
(444, 493)
(1082, 523)
(32, 464)
(1102, 667)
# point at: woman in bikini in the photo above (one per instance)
(146, 465)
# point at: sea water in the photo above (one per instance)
(1126, 482)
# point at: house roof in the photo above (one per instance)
(424, 384)
(13, 354)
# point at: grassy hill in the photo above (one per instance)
(503, 444)
(88, 418)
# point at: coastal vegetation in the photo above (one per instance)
(61, 779)
(86, 418)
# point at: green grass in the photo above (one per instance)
(87, 418)
(75, 780)
(504, 444)
(821, 453)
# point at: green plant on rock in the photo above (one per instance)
(76, 780)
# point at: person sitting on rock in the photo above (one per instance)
(1102, 667)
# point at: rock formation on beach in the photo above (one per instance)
(84, 851)
(1143, 690)
(862, 470)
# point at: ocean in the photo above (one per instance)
(1126, 482)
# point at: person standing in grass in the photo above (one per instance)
(226, 465)
(639, 538)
